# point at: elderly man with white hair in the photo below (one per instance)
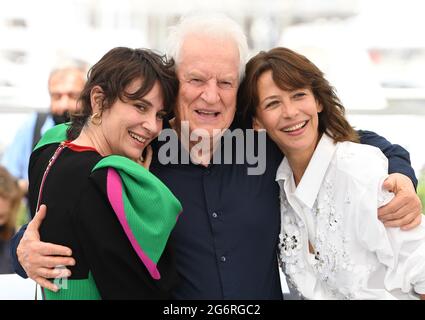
(226, 239)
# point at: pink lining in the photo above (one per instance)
(114, 190)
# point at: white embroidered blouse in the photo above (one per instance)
(335, 208)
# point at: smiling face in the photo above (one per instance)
(208, 76)
(290, 117)
(127, 127)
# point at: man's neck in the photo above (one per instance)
(200, 150)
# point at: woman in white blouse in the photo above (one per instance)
(332, 245)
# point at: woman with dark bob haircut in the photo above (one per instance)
(103, 204)
(332, 245)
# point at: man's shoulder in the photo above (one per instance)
(19, 148)
(26, 130)
(30, 121)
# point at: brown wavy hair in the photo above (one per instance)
(115, 71)
(291, 71)
(10, 191)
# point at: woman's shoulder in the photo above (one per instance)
(48, 150)
(362, 161)
(71, 166)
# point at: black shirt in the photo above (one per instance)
(80, 216)
(226, 238)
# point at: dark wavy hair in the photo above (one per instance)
(291, 71)
(115, 71)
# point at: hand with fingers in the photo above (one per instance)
(41, 259)
(405, 209)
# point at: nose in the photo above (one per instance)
(210, 93)
(289, 110)
(63, 103)
(66, 102)
(152, 124)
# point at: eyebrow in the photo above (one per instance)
(270, 97)
(194, 73)
(143, 101)
(227, 78)
(220, 77)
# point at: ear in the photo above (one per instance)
(257, 125)
(319, 107)
(96, 99)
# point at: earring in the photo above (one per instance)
(96, 119)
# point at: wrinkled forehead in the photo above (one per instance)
(219, 53)
(67, 79)
(68, 73)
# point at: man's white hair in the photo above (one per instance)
(215, 25)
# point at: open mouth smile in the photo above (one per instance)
(137, 137)
(296, 127)
(207, 113)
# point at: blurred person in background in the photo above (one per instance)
(10, 198)
(66, 81)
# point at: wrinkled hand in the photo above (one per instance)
(147, 160)
(39, 259)
(405, 209)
